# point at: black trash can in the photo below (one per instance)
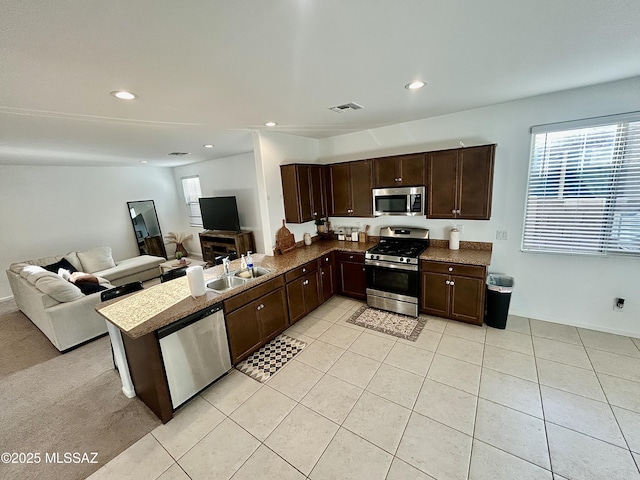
(499, 288)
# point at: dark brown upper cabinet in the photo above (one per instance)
(349, 189)
(303, 192)
(399, 170)
(460, 183)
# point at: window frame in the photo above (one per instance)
(192, 206)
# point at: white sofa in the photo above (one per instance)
(58, 308)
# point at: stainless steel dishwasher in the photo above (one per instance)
(195, 352)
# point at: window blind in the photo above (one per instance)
(192, 192)
(583, 192)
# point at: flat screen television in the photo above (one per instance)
(220, 213)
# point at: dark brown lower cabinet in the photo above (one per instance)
(327, 269)
(303, 295)
(352, 276)
(453, 291)
(253, 324)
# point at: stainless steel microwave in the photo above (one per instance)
(404, 201)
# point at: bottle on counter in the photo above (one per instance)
(243, 262)
(249, 260)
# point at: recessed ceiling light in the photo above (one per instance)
(415, 85)
(144, 161)
(122, 95)
(208, 145)
(270, 124)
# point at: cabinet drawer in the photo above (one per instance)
(454, 269)
(350, 257)
(252, 294)
(301, 270)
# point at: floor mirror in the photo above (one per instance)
(147, 228)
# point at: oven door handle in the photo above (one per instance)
(392, 266)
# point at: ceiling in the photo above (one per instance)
(213, 71)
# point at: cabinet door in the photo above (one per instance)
(318, 200)
(327, 285)
(467, 299)
(434, 298)
(295, 300)
(442, 186)
(476, 182)
(411, 169)
(339, 186)
(353, 280)
(384, 172)
(304, 193)
(361, 184)
(311, 292)
(273, 315)
(243, 331)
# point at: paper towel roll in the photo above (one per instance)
(195, 275)
(454, 239)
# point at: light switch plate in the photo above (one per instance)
(502, 235)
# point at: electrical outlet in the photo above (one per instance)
(618, 304)
(502, 235)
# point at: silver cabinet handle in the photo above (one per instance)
(399, 179)
(315, 214)
(452, 283)
(451, 269)
(306, 282)
(304, 270)
(458, 211)
(447, 282)
(321, 273)
(453, 211)
(350, 256)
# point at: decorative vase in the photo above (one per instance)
(307, 239)
(180, 248)
(322, 228)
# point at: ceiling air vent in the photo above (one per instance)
(345, 107)
(178, 154)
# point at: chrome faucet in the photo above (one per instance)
(225, 265)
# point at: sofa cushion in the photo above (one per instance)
(96, 259)
(32, 273)
(131, 266)
(62, 263)
(72, 258)
(58, 288)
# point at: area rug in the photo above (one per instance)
(400, 326)
(262, 364)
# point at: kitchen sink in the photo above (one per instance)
(254, 272)
(223, 284)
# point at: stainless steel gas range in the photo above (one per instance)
(393, 279)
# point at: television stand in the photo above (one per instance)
(220, 242)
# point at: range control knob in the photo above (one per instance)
(401, 259)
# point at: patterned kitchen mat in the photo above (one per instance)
(271, 358)
(390, 323)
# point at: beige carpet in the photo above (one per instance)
(56, 403)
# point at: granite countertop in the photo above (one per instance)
(155, 307)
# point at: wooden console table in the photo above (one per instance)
(218, 242)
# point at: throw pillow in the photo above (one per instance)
(63, 263)
(72, 258)
(96, 259)
(33, 273)
(89, 287)
(58, 289)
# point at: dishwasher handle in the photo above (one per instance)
(188, 320)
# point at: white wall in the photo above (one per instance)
(575, 290)
(272, 150)
(227, 176)
(46, 211)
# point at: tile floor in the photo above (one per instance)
(535, 401)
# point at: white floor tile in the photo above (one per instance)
(144, 459)
(561, 352)
(435, 324)
(332, 398)
(301, 438)
(349, 457)
(311, 326)
(517, 342)
(555, 331)
(575, 455)
(630, 425)
(403, 471)
(329, 313)
(512, 392)
(397, 385)
(295, 379)
(378, 420)
(372, 346)
(434, 448)
(609, 342)
(339, 336)
(461, 348)
(570, 379)
(220, 454)
(455, 373)
(448, 405)
(518, 324)
(189, 425)
(231, 391)
(266, 465)
(174, 473)
(320, 355)
(582, 415)
(511, 363)
(427, 340)
(620, 392)
(490, 463)
(465, 330)
(514, 432)
(615, 365)
(262, 413)
(409, 358)
(355, 369)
